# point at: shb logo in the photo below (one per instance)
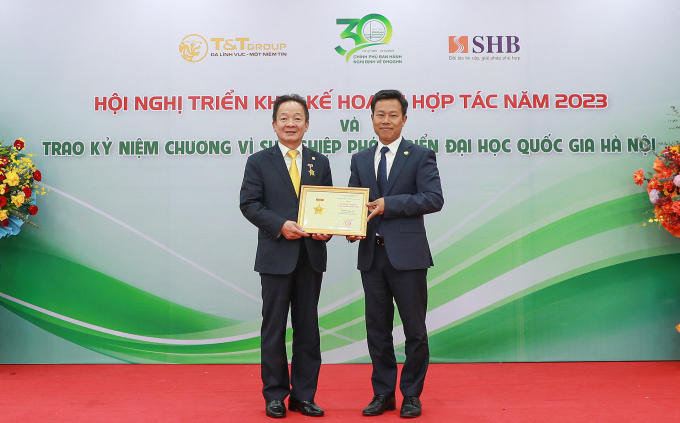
(458, 44)
(193, 48)
(485, 44)
(368, 31)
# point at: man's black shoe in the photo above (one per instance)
(276, 409)
(307, 408)
(411, 407)
(379, 404)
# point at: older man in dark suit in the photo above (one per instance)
(394, 256)
(291, 262)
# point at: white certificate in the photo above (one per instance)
(333, 210)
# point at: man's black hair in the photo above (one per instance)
(389, 95)
(290, 97)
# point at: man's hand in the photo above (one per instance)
(352, 238)
(376, 207)
(291, 230)
(322, 237)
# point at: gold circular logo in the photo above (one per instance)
(193, 48)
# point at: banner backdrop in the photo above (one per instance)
(142, 115)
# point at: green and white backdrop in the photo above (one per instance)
(142, 115)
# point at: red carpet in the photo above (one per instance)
(510, 392)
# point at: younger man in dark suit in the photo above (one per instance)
(291, 262)
(395, 255)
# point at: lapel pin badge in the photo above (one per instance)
(405, 153)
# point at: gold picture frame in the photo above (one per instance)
(333, 210)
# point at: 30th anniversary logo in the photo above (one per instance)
(370, 31)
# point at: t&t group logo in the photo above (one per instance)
(193, 48)
(370, 31)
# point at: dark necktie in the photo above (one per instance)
(382, 171)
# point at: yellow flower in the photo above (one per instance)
(18, 200)
(3, 215)
(12, 179)
(675, 148)
(3, 188)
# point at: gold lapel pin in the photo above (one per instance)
(405, 153)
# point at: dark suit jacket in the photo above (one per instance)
(413, 190)
(268, 199)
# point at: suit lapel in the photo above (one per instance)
(369, 167)
(403, 154)
(280, 165)
(305, 177)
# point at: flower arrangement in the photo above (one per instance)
(664, 186)
(18, 190)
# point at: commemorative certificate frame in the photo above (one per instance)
(333, 210)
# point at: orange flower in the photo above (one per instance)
(653, 184)
(672, 229)
(665, 173)
(675, 207)
(639, 177)
(658, 165)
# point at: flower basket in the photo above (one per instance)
(18, 188)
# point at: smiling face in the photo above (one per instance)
(290, 124)
(388, 120)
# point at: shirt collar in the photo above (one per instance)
(393, 146)
(284, 149)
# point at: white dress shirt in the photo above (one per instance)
(390, 155)
(288, 160)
